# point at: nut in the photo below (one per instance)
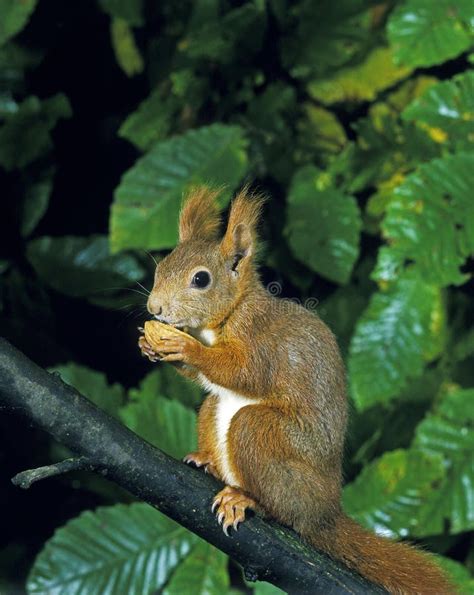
(155, 331)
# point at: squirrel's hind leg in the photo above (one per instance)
(295, 486)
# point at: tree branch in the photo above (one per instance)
(265, 550)
(27, 478)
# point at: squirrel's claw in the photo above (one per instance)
(230, 505)
(147, 350)
(200, 460)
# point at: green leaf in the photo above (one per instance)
(323, 225)
(449, 432)
(93, 385)
(13, 17)
(150, 123)
(148, 199)
(219, 36)
(118, 549)
(167, 424)
(269, 119)
(387, 495)
(25, 135)
(382, 428)
(203, 572)
(386, 148)
(14, 61)
(423, 32)
(126, 51)
(430, 222)
(82, 267)
(362, 82)
(327, 36)
(393, 340)
(459, 575)
(179, 388)
(35, 201)
(341, 310)
(320, 134)
(130, 11)
(449, 108)
(164, 380)
(263, 588)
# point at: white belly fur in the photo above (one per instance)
(229, 402)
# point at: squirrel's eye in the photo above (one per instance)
(201, 279)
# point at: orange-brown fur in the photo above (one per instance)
(285, 451)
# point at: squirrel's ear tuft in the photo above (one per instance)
(240, 238)
(199, 217)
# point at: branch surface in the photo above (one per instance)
(265, 550)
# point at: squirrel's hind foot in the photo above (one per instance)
(201, 460)
(230, 505)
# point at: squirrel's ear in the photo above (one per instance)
(240, 238)
(199, 217)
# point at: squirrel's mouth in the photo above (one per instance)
(179, 324)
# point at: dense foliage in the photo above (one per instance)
(357, 117)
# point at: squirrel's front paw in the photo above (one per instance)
(182, 348)
(147, 350)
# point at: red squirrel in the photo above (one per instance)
(272, 426)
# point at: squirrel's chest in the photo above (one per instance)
(228, 403)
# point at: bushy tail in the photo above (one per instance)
(398, 567)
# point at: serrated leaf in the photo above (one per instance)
(448, 109)
(167, 424)
(150, 122)
(393, 339)
(362, 82)
(125, 48)
(83, 266)
(429, 222)
(323, 226)
(387, 495)
(449, 432)
(93, 385)
(203, 572)
(118, 549)
(13, 17)
(25, 134)
(423, 32)
(148, 199)
(130, 11)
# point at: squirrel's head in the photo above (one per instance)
(200, 281)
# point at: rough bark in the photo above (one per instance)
(264, 549)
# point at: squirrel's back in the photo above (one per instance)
(274, 423)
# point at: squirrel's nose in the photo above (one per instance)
(154, 307)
